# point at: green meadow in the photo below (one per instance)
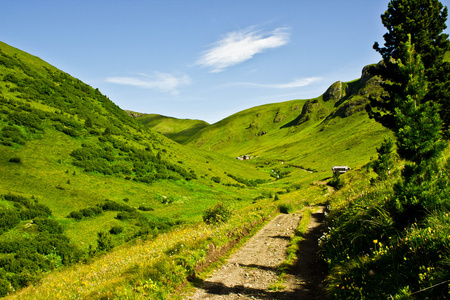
(99, 203)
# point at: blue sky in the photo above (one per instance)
(199, 59)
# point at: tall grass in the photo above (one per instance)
(146, 269)
(369, 258)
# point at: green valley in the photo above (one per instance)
(70, 157)
(101, 203)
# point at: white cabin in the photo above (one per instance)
(340, 169)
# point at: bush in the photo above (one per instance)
(12, 134)
(5, 287)
(116, 230)
(145, 208)
(284, 208)
(104, 242)
(48, 225)
(114, 206)
(8, 219)
(124, 215)
(217, 214)
(16, 160)
(76, 215)
(336, 181)
(216, 179)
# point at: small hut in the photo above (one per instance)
(340, 169)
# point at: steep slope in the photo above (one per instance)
(332, 129)
(79, 176)
(178, 130)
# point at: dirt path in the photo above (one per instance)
(250, 271)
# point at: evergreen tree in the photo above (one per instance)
(424, 21)
(386, 158)
(422, 186)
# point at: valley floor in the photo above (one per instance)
(250, 272)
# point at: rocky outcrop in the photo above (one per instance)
(334, 92)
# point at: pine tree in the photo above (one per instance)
(386, 159)
(419, 141)
(424, 21)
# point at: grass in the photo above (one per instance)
(176, 129)
(291, 160)
(152, 268)
(370, 257)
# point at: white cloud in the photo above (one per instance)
(239, 46)
(161, 81)
(293, 84)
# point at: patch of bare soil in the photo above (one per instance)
(250, 271)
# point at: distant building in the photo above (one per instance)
(243, 157)
(340, 169)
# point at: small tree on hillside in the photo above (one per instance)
(104, 241)
(386, 159)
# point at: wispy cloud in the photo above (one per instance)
(239, 46)
(289, 85)
(161, 81)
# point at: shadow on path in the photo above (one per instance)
(307, 275)
(218, 288)
(310, 269)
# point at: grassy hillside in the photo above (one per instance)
(178, 130)
(313, 134)
(83, 181)
(73, 165)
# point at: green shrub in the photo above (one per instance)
(76, 215)
(109, 205)
(116, 230)
(5, 287)
(124, 215)
(16, 160)
(220, 213)
(12, 134)
(8, 219)
(104, 242)
(145, 208)
(336, 181)
(48, 225)
(284, 208)
(216, 179)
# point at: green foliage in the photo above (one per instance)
(30, 254)
(8, 220)
(104, 242)
(384, 165)
(216, 179)
(10, 135)
(369, 258)
(422, 186)
(285, 208)
(116, 230)
(336, 181)
(5, 287)
(48, 225)
(424, 22)
(220, 213)
(16, 160)
(145, 208)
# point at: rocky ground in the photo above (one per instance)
(252, 269)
